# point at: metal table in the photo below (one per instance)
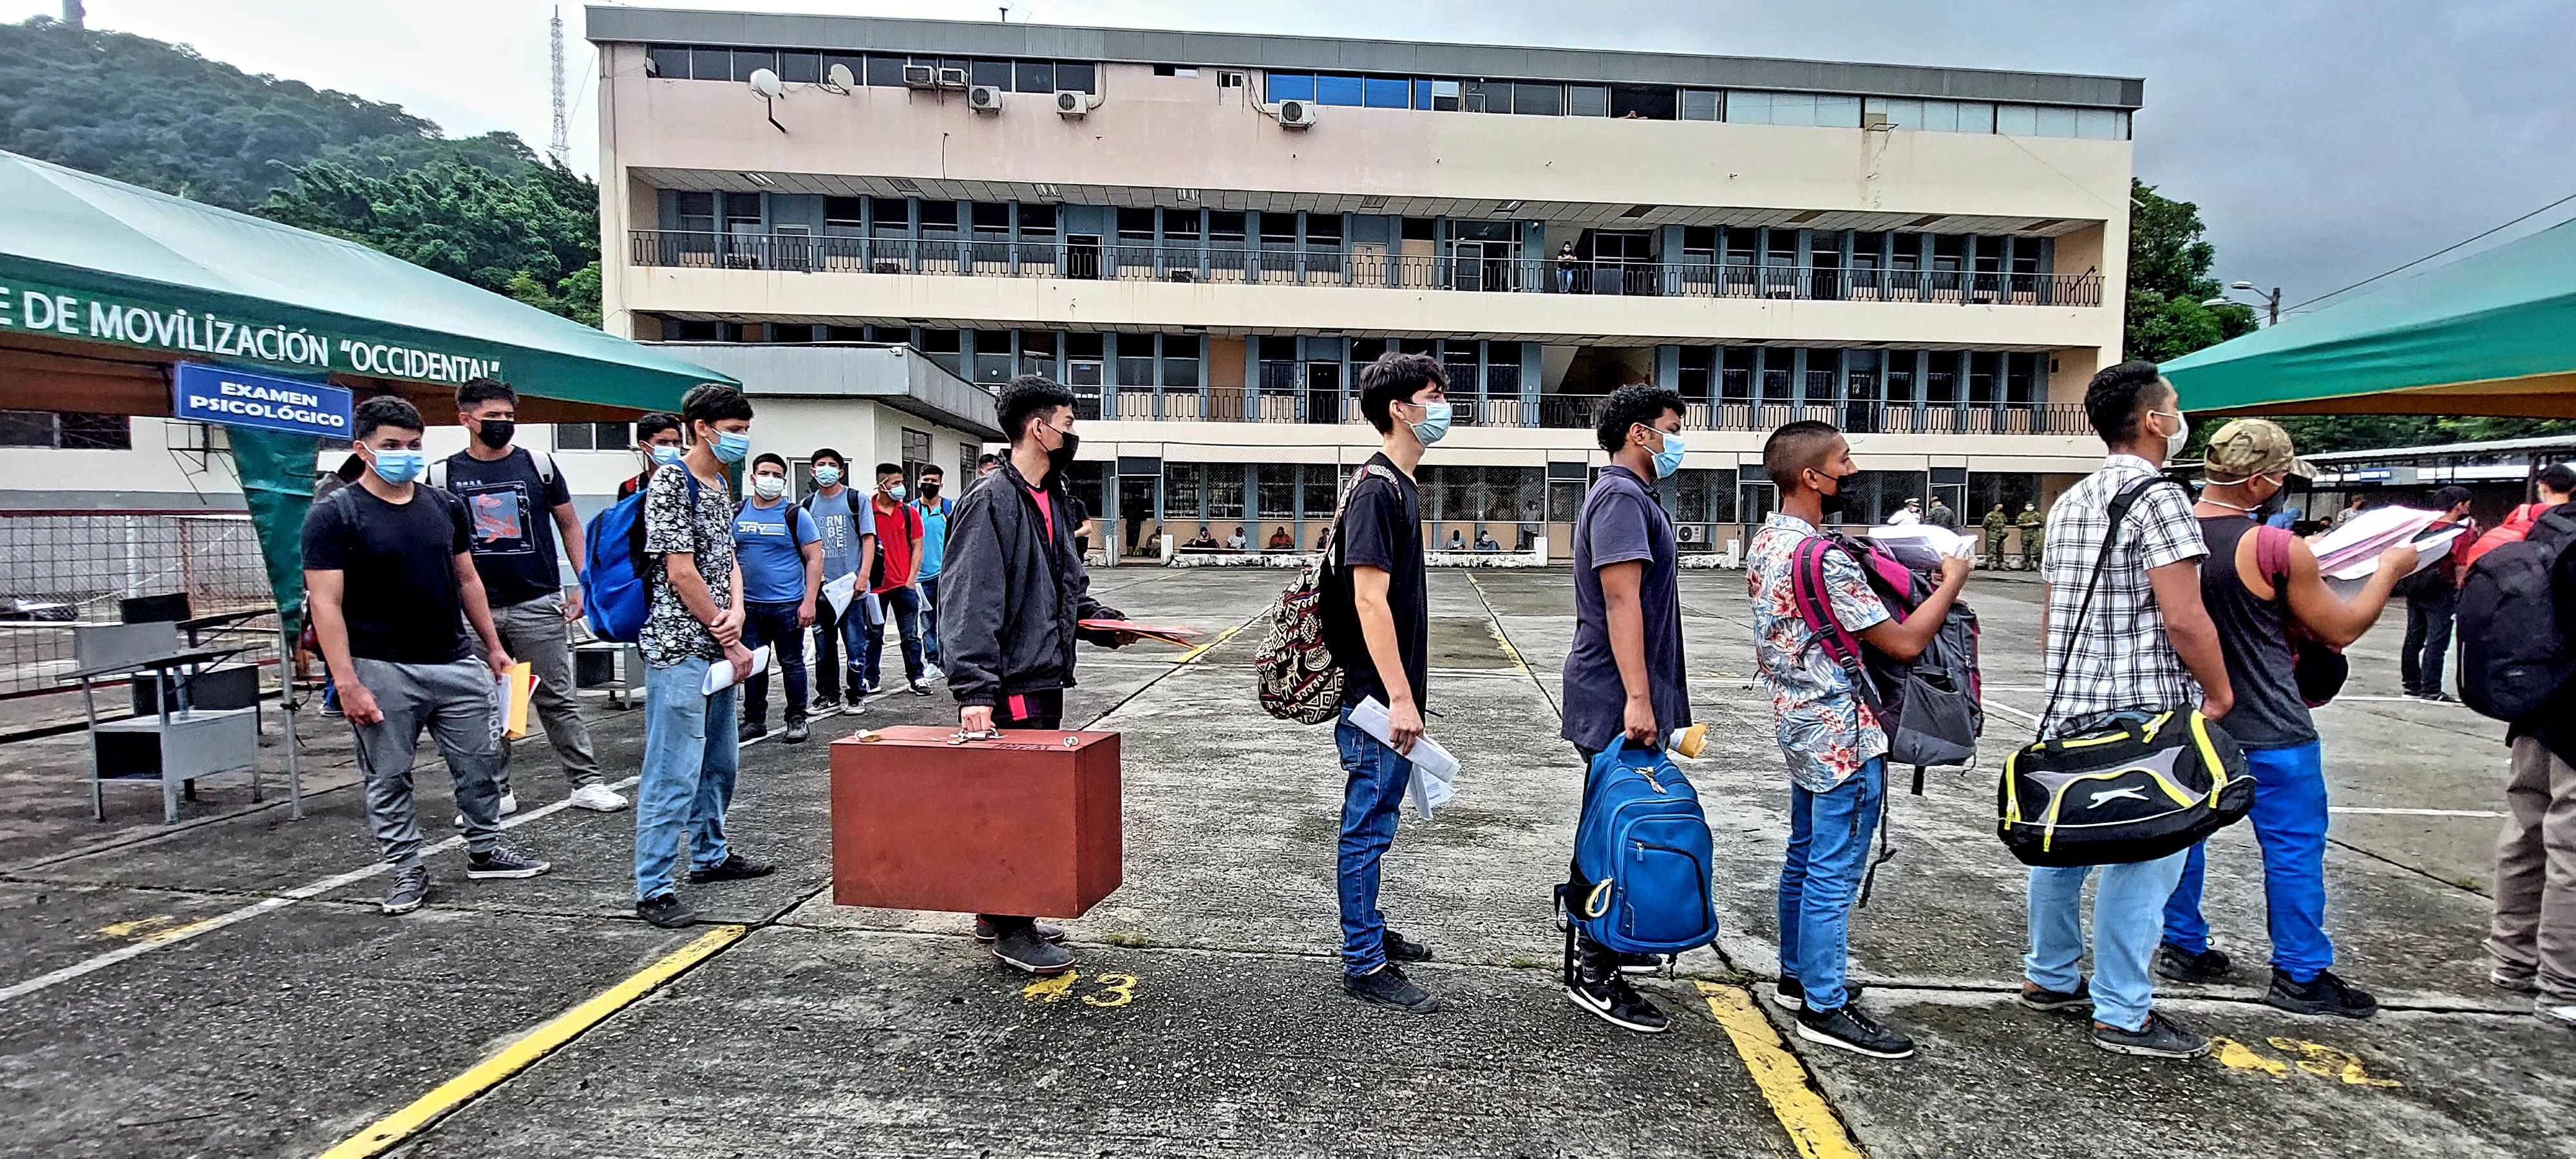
(187, 742)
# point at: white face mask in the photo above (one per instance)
(768, 486)
(2181, 434)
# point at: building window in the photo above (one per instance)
(916, 452)
(1765, 108)
(66, 430)
(1699, 104)
(1587, 101)
(594, 437)
(1277, 87)
(1338, 90)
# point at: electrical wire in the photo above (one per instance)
(2435, 254)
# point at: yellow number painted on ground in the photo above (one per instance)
(2319, 1059)
(1119, 990)
(2235, 1055)
(1051, 989)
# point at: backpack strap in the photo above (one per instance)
(1816, 607)
(2115, 515)
(2272, 557)
(1333, 531)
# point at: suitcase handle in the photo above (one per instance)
(961, 736)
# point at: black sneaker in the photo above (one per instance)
(1400, 949)
(410, 888)
(736, 867)
(2182, 965)
(666, 911)
(1023, 949)
(796, 733)
(749, 731)
(823, 704)
(1791, 994)
(503, 861)
(916, 688)
(2324, 994)
(1387, 986)
(871, 689)
(1845, 1028)
(2161, 1037)
(1611, 997)
(2047, 1001)
(984, 931)
(2503, 979)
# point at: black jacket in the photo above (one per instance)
(1008, 597)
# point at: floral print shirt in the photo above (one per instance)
(1825, 732)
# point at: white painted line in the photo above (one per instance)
(2029, 716)
(2418, 812)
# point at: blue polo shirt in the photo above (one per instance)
(768, 542)
(934, 535)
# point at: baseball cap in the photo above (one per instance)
(2248, 447)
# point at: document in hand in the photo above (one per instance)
(720, 675)
(1169, 635)
(516, 686)
(1921, 546)
(1435, 772)
(839, 592)
(2430, 547)
(2364, 536)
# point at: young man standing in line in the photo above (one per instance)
(1012, 608)
(1625, 676)
(2146, 645)
(1836, 748)
(389, 567)
(1377, 624)
(934, 510)
(782, 568)
(898, 550)
(2432, 598)
(2248, 462)
(2533, 935)
(657, 438)
(691, 752)
(848, 526)
(517, 504)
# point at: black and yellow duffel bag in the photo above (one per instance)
(2142, 788)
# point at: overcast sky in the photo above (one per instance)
(2324, 142)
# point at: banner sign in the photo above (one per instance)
(206, 393)
(32, 308)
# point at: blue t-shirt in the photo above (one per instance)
(841, 520)
(768, 547)
(934, 536)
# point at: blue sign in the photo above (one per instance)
(2374, 474)
(203, 392)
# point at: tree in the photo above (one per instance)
(531, 232)
(2169, 278)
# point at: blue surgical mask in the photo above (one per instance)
(1669, 459)
(732, 446)
(665, 455)
(826, 476)
(1435, 423)
(895, 492)
(399, 467)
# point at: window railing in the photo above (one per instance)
(1578, 412)
(1358, 266)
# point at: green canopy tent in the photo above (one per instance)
(104, 285)
(2490, 334)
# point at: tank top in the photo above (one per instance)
(2254, 634)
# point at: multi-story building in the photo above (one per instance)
(1208, 235)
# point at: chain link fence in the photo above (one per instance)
(61, 569)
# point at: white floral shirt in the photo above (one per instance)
(1825, 732)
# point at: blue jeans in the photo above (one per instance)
(1829, 835)
(690, 756)
(2289, 818)
(2428, 641)
(774, 624)
(929, 620)
(2128, 911)
(834, 635)
(902, 612)
(1378, 776)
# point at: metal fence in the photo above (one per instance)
(58, 569)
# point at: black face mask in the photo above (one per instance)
(495, 433)
(1834, 503)
(1060, 459)
(930, 490)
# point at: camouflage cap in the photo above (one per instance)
(2248, 447)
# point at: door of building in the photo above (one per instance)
(1139, 499)
(1323, 392)
(1623, 261)
(1082, 255)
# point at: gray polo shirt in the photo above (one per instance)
(1622, 522)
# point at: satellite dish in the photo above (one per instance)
(841, 77)
(765, 82)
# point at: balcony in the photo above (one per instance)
(1575, 412)
(1293, 265)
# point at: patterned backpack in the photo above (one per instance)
(1299, 679)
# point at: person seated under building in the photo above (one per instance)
(1202, 542)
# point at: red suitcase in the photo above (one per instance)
(1027, 824)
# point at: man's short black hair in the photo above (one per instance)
(2115, 397)
(656, 423)
(2450, 497)
(987, 459)
(1025, 396)
(822, 453)
(1395, 378)
(714, 402)
(385, 410)
(768, 457)
(929, 469)
(478, 391)
(2560, 478)
(1793, 448)
(885, 469)
(1637, 402)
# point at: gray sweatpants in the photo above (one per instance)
(2534, 934)
(535, 632)
(455, 702)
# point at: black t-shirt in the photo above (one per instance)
(510, 507)
(397, 568)
(1381, 527)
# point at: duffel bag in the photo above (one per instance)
(2142, 788)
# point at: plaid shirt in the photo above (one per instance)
(2123, 660)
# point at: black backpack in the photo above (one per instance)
(2513, 650)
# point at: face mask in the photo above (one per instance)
(399, 467)
(495, 433)
(769, 486)
(929, 490)
(1833, 503)
(1669, 459)
(1435, 423)
(665, 455)
(1060, 459)
(895, 492)
(2181, 435)
(826, 476)
(732, 446)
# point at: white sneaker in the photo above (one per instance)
(2562, 1015)
(509, 805)
(597, 798)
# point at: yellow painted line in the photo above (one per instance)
(1494, 624)
(136, 928)
(1812, 1125)
(520, 1055)
(1221, 637)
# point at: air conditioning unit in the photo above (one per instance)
(1873, 121)
(1294, 114)
(920, 76)
(1072, 104)
(984, 98)
(952, 78)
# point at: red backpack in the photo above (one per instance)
(2512, 530)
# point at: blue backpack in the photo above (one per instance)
(615, 598)
(1642, 859)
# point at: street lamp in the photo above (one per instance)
(2271, 301)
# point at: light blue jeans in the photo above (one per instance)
(1375, 777)
(1829, 835)
(690, 756)
(2128, 921)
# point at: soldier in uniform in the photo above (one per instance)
(2031, 524)
(1997, 523)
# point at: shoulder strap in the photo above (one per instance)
(436, 476)
(545, 468)
(1816, 607)
(1333, 532)
(2112, 518)
(2272, 557)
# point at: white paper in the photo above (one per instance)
(839, 592)
(873, 609)
(2364, 536)
(1922, 545)
(1435, 772)
(720, 674)
(2428, 551)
